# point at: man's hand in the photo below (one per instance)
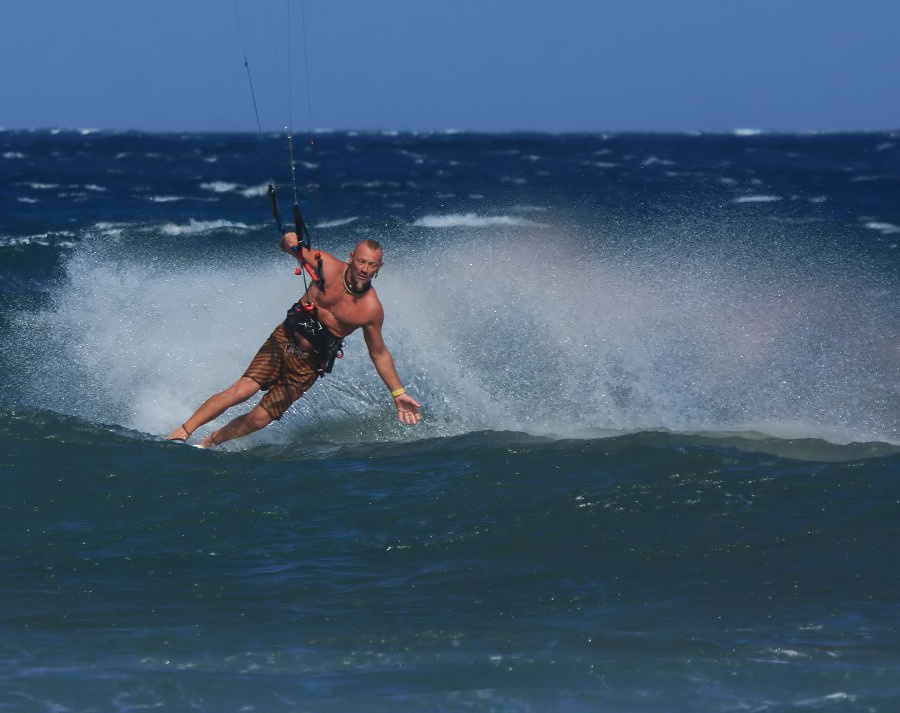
(408, 409)
(290, 242)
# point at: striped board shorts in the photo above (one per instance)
(283, 371)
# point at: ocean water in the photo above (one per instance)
(658, 469)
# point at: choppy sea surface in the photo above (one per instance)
(658, 470)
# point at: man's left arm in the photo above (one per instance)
(407, 406)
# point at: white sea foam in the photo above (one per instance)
(254, 191)
(336, 223)
(885, 228)
(57, 240)
(219, 186)
(104, 226)
(195, 227)
(165, 199)
(470, 220)
(758, 199)
(600, 164)
(22, 240)
(653, 161)
(831, 698)
(111, 229)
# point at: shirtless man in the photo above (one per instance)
(304, 346)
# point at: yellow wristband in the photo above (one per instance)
(399, 392)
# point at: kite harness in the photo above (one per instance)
(302, 319)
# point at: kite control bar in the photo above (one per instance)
(315, 271)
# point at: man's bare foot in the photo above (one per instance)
(179, 434)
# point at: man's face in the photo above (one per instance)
(364, 263)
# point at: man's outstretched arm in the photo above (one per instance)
(407, 406)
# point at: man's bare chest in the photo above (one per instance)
(343, 313)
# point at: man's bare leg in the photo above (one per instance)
(215, 406)
(242, 425)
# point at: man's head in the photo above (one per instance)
(366, 260)
(369, 244)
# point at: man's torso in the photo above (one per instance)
(339, 312)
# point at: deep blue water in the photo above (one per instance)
(659, 468)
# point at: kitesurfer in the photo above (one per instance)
(305, 345)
